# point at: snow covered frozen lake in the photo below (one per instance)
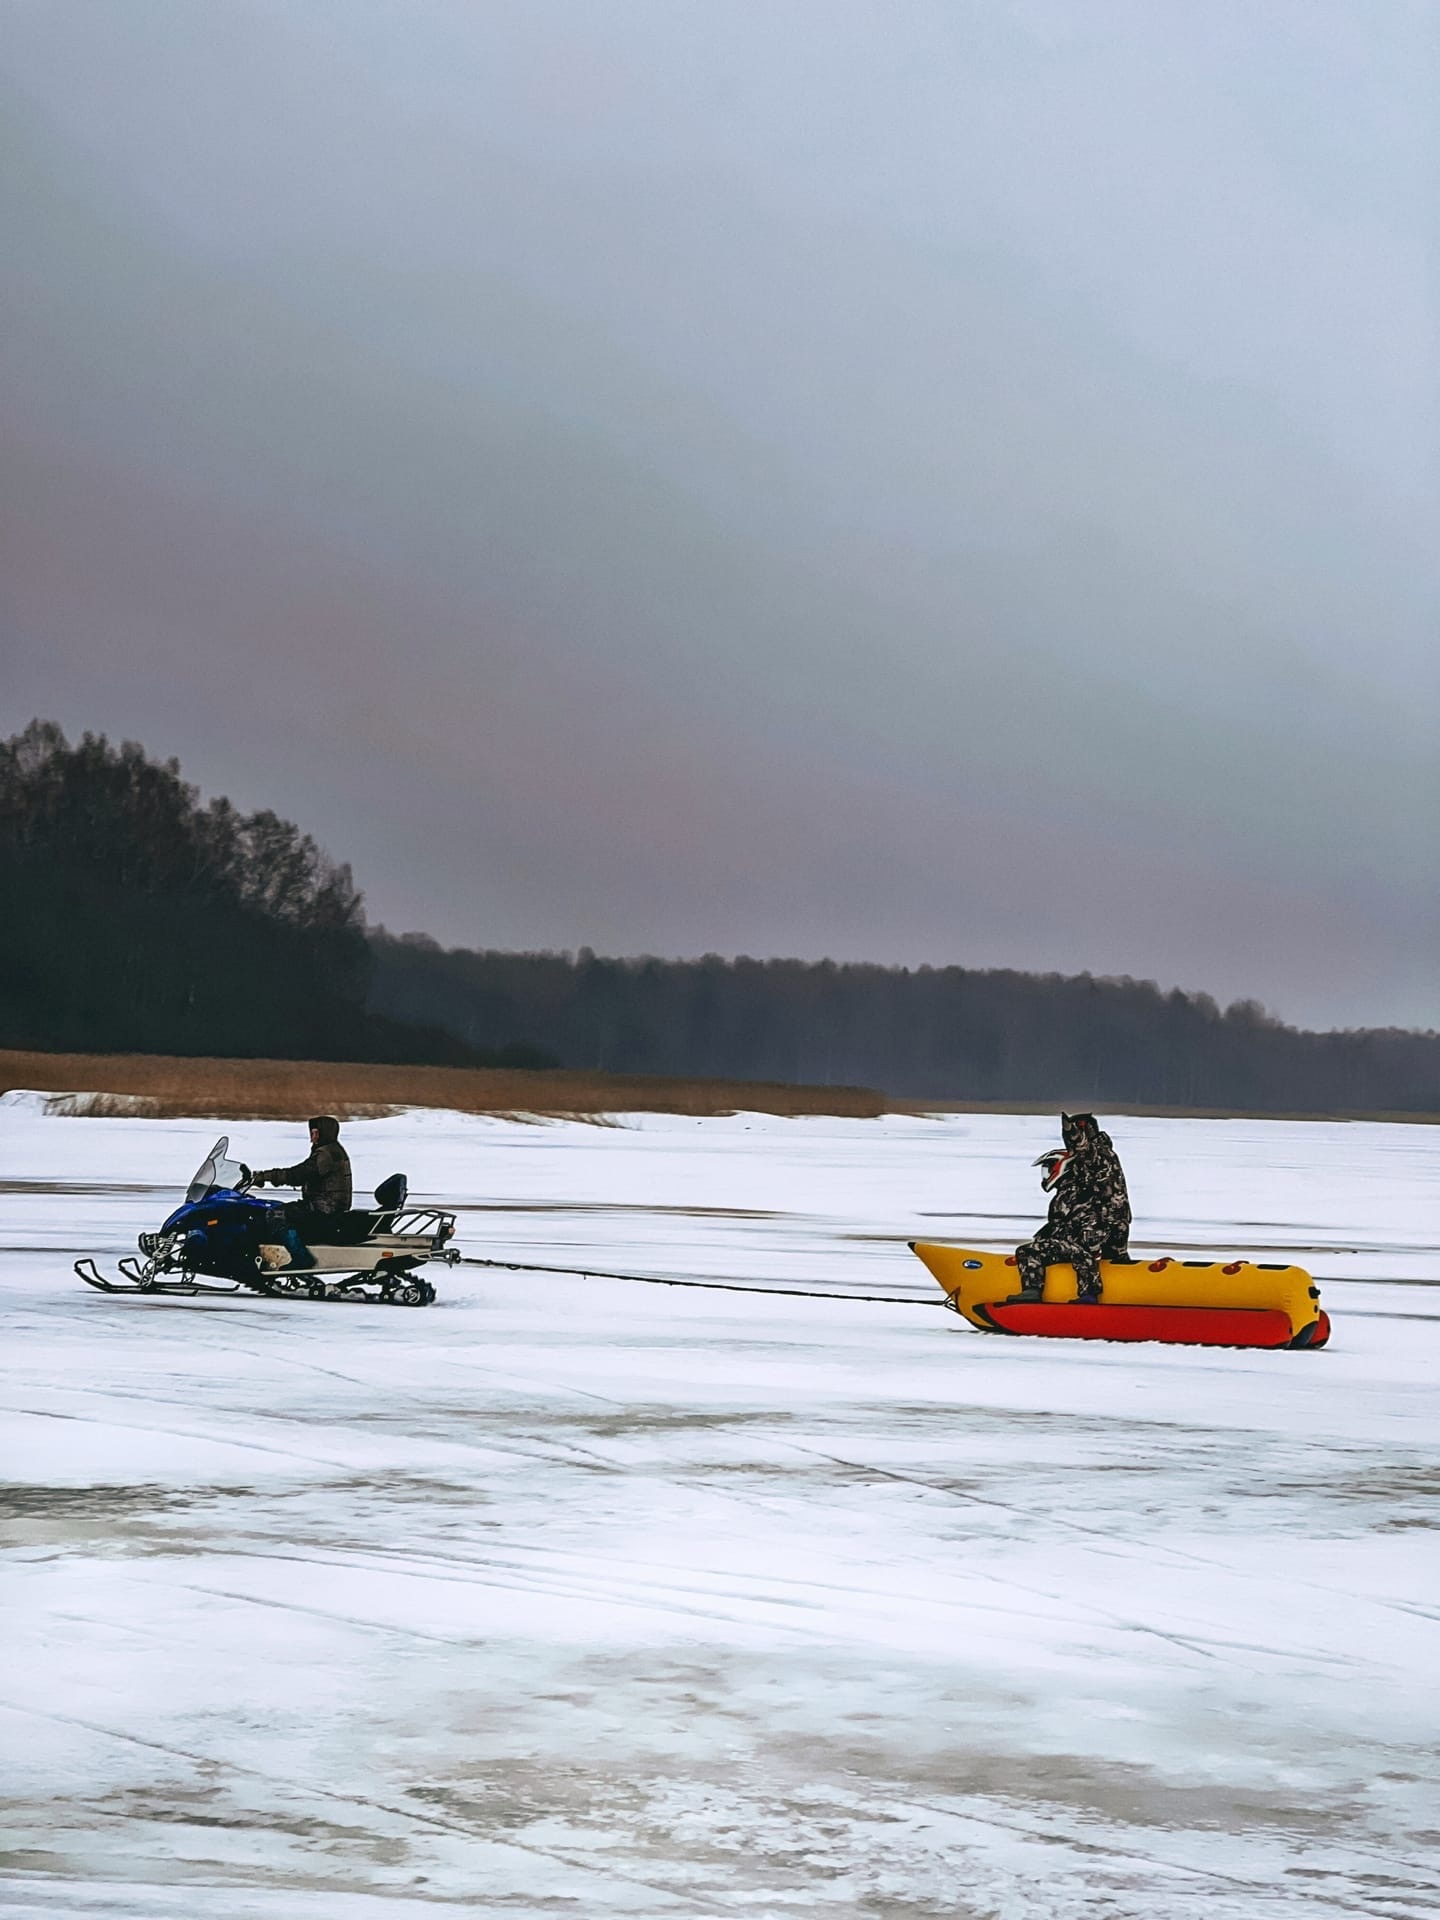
(579, 1596)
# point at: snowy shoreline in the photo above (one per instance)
(570, 1593)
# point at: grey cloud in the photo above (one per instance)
(935, 483)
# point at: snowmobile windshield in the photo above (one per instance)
(214, 1171)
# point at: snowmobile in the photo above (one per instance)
(223, 1233)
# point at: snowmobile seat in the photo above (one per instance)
(358, 1226)
(392, 1194)
(353, 1229)
(390, 1197)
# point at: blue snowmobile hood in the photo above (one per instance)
(198, 1213)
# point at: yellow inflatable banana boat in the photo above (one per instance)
(1210, 1303)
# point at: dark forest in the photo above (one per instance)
(140, 921)
(941, 1033)
(143, 920)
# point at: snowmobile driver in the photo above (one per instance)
(323, 1178)
(1089, 1217)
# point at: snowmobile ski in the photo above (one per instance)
(402, 1291)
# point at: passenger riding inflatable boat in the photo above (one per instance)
(1203, 1303)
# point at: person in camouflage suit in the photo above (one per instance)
(323, 1178)
(1089, 1217)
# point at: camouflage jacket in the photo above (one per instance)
(323, 1178)
(1091, 1204)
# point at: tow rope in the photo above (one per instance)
(709, 1286)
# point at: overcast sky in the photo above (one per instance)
(950, 482)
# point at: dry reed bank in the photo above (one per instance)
(164, 1086)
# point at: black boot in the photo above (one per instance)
(1088, 1296)
(1028, 1296)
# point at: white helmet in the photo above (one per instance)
(1056, 1162)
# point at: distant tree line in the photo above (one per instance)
(138, 920)
(923, 1033)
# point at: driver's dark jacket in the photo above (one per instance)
(323, 1178)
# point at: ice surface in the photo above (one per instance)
(577, 1596)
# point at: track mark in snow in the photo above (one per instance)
(404, 1812)
(179, 1433)
(1265, 1890)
